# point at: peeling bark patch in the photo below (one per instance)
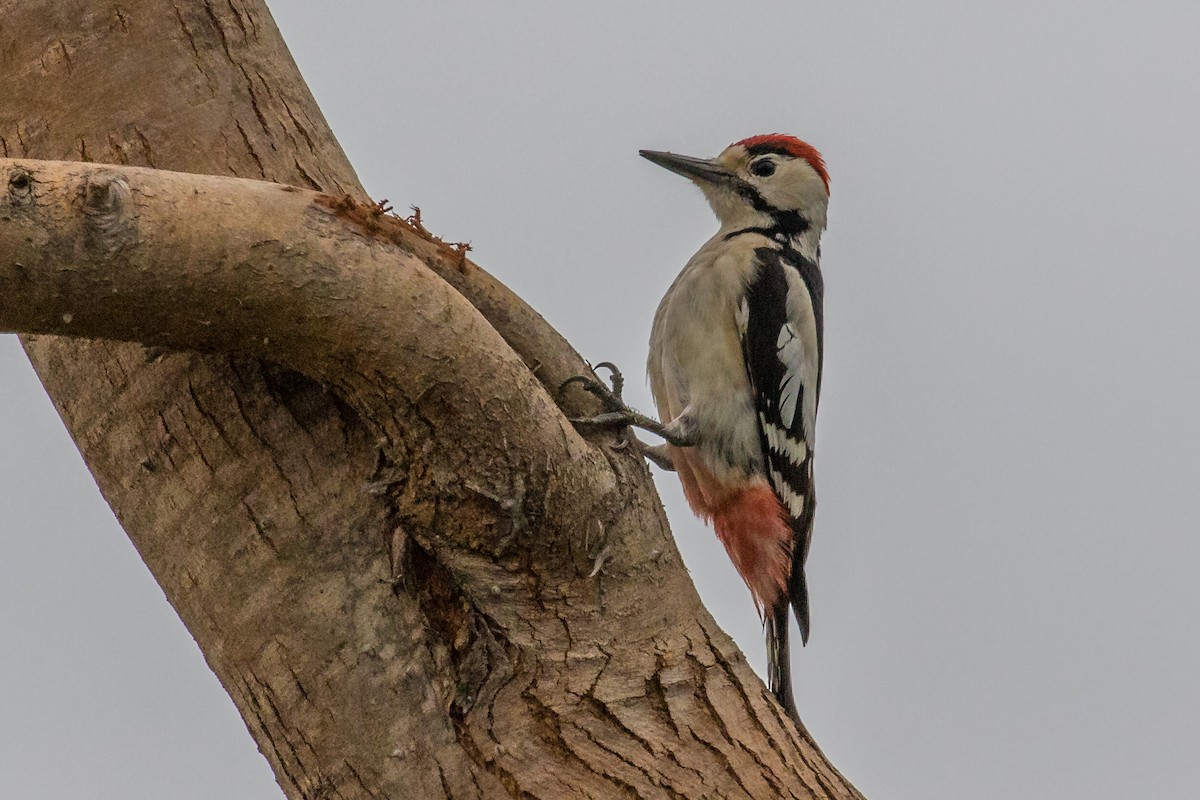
(657, 696)
(261, 527)
(198, 60)
(743, 693)
(250, 19)
(375, 220)
(66, 54)
(212, 16)
(300, 128)
(288, 762)
(187, 33)
(489, 765)
(284, 476)
(445, 784)
(147, 152)
(238, 16)
(262, 171)
(211, 418)
(312, 184)
(615, 761)
(254, 103)
(118, 150)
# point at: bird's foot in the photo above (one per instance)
(617, 415)
(657, 454)
(610, 398)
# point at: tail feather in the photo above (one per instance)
(779, 660)
(798, 592)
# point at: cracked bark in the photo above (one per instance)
(385, 563)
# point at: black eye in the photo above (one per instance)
(763, 168)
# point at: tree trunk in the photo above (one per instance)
(410, 573)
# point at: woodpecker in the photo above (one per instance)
(735, 370)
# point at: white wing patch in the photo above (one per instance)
(790, 350)
(782, 442)
(793, 501)
(805, 356)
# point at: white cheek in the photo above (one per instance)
(797, 186)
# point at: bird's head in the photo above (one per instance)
(772, 181)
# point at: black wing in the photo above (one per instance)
(781, 326)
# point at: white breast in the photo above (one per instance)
(696, 367)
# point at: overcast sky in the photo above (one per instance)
(1004, 569)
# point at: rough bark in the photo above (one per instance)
(362, 501)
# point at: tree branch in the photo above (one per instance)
(270, 271)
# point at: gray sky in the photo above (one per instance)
(1004, 571)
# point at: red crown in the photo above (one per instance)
(782, 143)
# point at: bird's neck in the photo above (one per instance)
(797, 235)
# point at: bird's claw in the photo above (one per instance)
(610, 398)
(616, 414)
(615, 378)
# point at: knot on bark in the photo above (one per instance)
(20, 184)
(106, 200)
(20, 187)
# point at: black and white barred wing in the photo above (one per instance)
(780, 321)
